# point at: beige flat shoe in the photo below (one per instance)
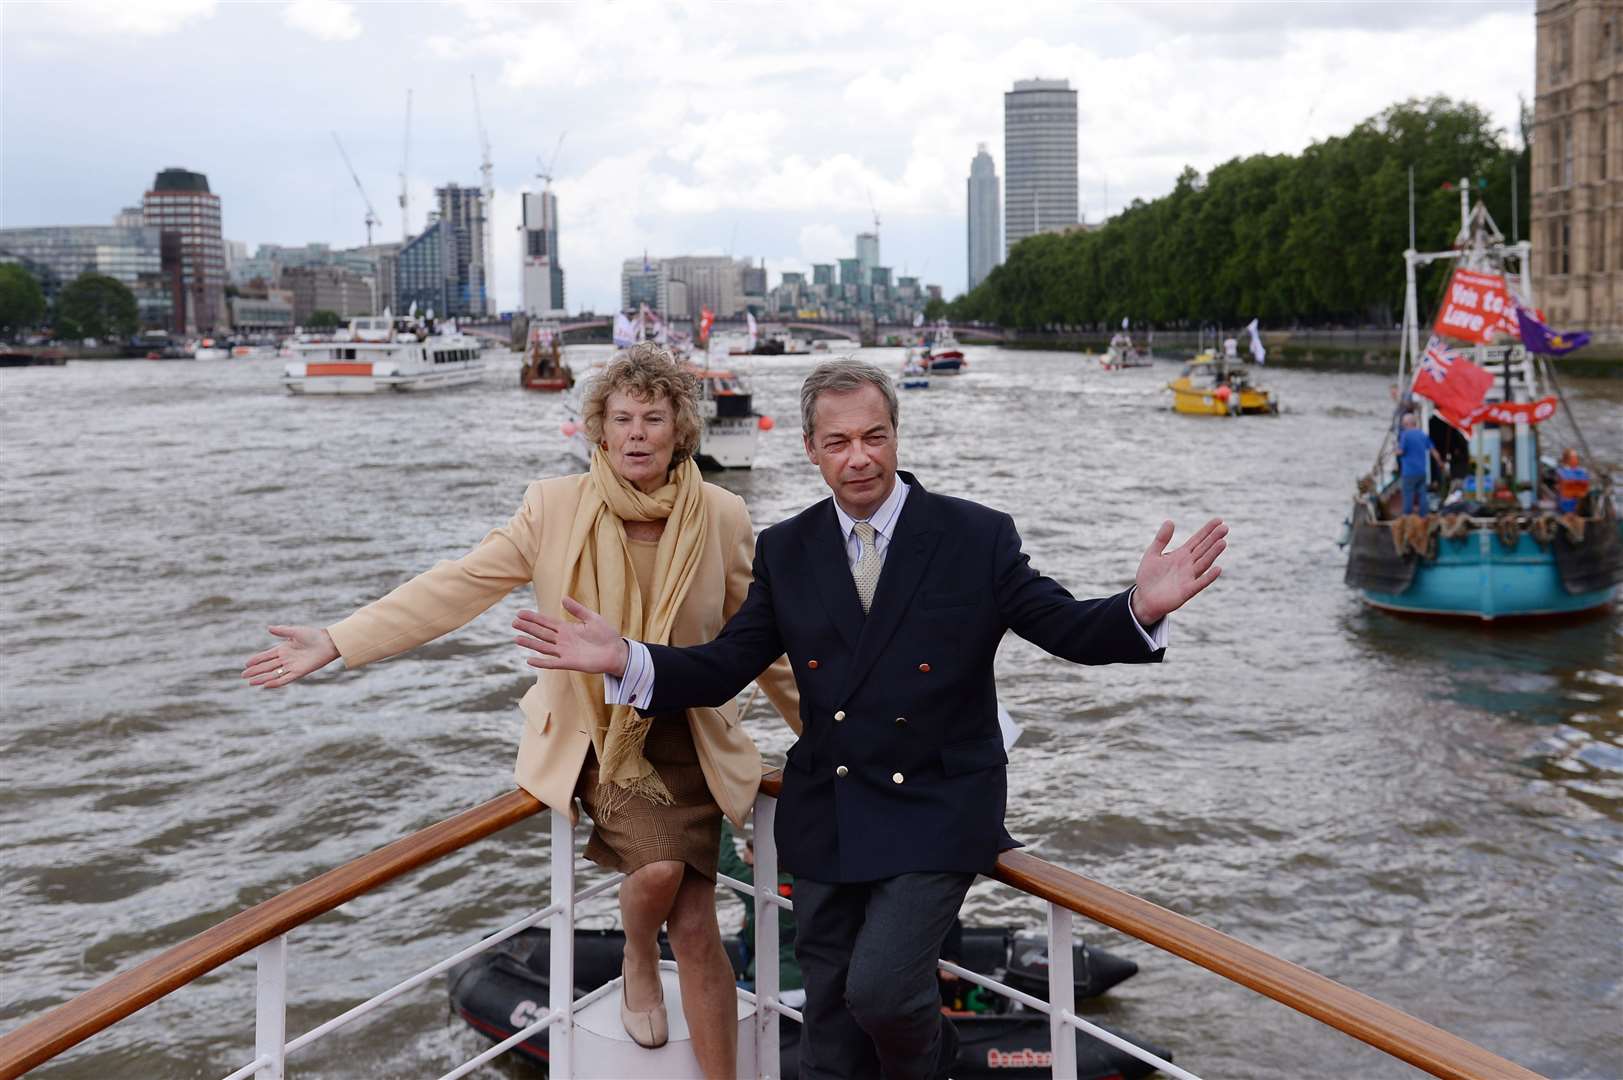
(648, 1028)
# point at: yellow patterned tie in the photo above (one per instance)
(866, 572)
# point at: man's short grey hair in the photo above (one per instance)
(1411, 420)
(842, 377)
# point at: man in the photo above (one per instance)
(890, 602)
(1455, 450)
(1413, 445)
(742, 868)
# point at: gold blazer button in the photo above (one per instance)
(925, 668)
(839, 714)
(812, 664)
(841, 771)
(896, 778)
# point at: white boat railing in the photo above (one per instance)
(265, 930)
(272, 1048)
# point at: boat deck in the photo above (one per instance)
(264, 930)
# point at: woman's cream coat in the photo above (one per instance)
(530, 549)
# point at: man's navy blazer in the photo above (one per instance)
(900, 764)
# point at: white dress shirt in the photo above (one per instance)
(883, 521)
(636, 686)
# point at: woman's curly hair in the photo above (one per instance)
(648, 372)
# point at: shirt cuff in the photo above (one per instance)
(1155, 639)
(636, 686)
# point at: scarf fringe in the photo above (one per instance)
(612, 796)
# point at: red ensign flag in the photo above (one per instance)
(1453, 383)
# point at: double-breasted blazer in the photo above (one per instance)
(900, 765)
(531, 549)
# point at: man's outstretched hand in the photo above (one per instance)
(1167, 579)
(592, 645)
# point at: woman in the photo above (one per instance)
(641, 538)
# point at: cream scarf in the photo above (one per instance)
(601, 575)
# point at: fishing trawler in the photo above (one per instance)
(544, 368)
(777, 343)
(1528, 525)
(1122, 353)
(1220, 384)
(941, 355)
(209, 349)
(915, 372)
(386, 352)
(289, 348)
(732, 427)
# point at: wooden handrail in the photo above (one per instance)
(1389, 1030)
(71, 1023)
(1369, 1021)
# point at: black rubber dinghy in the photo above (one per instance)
(506, 988)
